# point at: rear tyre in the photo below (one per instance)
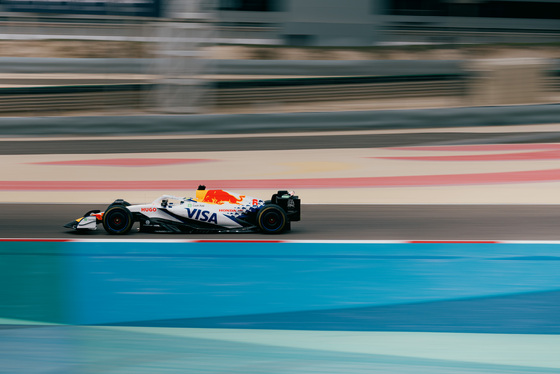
(272, 219)
(117, 220)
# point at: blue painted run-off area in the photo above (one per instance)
(348, 286)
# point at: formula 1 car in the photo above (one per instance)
(210, 211)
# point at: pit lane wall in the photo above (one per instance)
(486, 287)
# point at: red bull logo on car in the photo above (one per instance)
(219, 197)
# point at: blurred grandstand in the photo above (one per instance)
(231, 56)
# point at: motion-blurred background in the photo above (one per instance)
(259, 56)
(401, 262)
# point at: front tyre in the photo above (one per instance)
(117, 220)
(272, 219)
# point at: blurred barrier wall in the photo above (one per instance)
(233, 67)
(281, 122)
(247, 86)
(125, 94)
(508, 81)
(247, 67)
(423, 286)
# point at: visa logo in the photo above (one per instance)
(202, 215)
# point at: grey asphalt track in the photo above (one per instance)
(266, 142)
(326, 222)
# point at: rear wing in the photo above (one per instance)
(289, 202)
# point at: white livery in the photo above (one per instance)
(209, 211)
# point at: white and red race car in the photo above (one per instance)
(210, 211)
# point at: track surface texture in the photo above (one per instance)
(414, 219)
(326, 222)
(264, 142)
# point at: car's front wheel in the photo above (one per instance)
(272, 219)
(117, 220)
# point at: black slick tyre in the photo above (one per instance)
(272, 219)
(117, 220)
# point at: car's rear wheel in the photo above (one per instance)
(272, 219)
(117, 220)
